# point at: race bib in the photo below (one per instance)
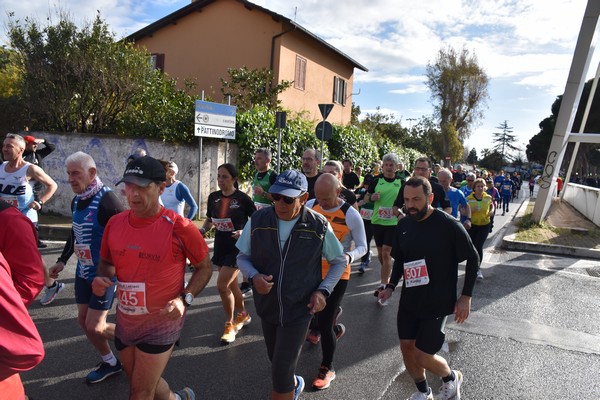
(84, 254)
(415, 273)
(366, 213)
(223, 224)
(132, 298)
(260, 205)
(386, 213)
(12, 200)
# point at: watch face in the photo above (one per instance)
(188, 298)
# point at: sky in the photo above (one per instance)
(524, 46)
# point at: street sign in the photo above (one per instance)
(324, 130)
(214, 120)
(280, 117)
(325, 109)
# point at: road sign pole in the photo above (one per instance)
(322, 143)
(200, 172)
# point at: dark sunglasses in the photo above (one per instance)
(287, 200)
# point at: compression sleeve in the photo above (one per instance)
(183, 193)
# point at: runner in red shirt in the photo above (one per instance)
(146, 249)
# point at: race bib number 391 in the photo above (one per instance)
(415, 273)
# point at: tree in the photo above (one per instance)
(504, 141)
(472, 157)
(458, 88)
(491, 160)
(12, 115)
(76, 79)
(252, 87)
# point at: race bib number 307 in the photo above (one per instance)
(415, 273)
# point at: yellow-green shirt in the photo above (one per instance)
(480, 209)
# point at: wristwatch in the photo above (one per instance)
(187, 298)
(40, 202)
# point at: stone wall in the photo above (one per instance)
(111, 152)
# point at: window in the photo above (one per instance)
(340, 86)
(157, 61)
(300, 74)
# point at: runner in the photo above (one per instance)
(382, 192)
(348, 227)
(146, 248)
(428, 247)
(311, 160)
(228, 210)
(482, 209)
(288, 285)
(92, 207)
(16, 188)
(177, 194)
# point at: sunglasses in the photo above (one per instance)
(286, 200)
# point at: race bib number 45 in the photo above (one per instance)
(132, 298)
(415, 273)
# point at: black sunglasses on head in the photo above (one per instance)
(286, 199)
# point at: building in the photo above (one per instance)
(203, 39)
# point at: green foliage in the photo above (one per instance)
(160, 110)
(472, 157)
(12, 114)
(256, 128)
(491, 160)
(352, 143)
(76, 79)
(504, 141)
(458, 88)
(252, 87)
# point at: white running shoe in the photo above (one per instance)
(50, 293)
(451, 390)
(421, 396)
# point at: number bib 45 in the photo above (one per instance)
(415, 273)
(132, 298)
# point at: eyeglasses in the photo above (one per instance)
(286, 200)
(470, 180)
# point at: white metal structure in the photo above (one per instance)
(582, 57)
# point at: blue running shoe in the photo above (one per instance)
(299, 387)
(103, 371)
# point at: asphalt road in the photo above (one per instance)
(533, 334)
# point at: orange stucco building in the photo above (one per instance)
(203, 39)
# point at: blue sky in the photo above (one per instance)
(525, 47)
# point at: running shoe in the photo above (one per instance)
(242, 320)
(103, 371)
(313, 336)
(228, 333)
(324, 378)
(299, 387)
(421, 396)
(362, 267)
(246, 289)
(186, 394)
(451, 390)
(339, 330)
(50, 293)
(479, 275)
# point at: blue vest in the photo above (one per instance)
(88, 236)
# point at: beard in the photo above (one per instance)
(417, 214)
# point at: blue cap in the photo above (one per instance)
(290, 183)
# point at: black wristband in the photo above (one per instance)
(390, 286)
(325, 293)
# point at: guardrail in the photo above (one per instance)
(585, 199)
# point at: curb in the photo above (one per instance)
(509, 243)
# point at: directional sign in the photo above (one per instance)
(214, 120)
